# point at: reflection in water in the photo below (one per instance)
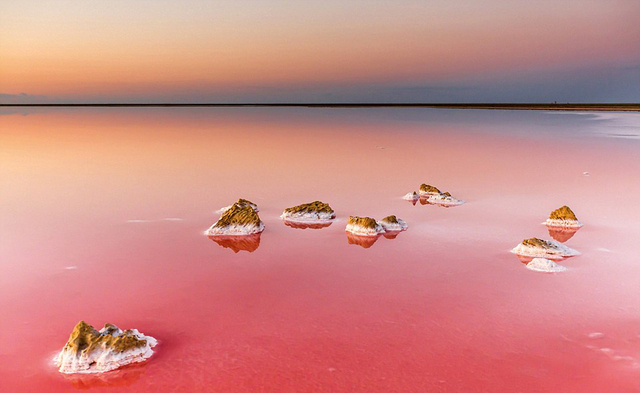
(121, 377)
(239, 243)
(391, 235)
(303, 225)
(562, 234)
(362, 241)
(368, 241)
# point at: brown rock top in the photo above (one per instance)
(85, 338)
(313, 207)
(563, 213)
(428, 188)
(366, 222)
(238, 214)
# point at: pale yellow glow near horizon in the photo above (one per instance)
(76, 48)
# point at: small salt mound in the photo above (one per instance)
(364, 226)
(412, 196)
(538, 248)
(314, 212)
(444, 199)
(240, 219)
(393, 224)
(563, 217)
(545, 265)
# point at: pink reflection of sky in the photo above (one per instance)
(442, 307)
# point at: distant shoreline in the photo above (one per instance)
(539, 107)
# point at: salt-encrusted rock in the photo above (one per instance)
(545, 265)
(444, 199)
(412, 196)
(362, 241)
(241, 202)
(393, 224)
(538, 248)
(92, 351)
(248, 243)
(563, 217)
(239, 219)
(309, 213)
(364, 226)
(427, 190)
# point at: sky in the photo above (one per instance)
(69, 51)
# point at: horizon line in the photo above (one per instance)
(634, 107)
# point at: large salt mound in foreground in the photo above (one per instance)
(538, 248)
(92, 351)
(239, 219)
(314, 212)
(545, 265)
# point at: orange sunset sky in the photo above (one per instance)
(319, 51)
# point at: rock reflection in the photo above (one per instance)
(362, 241)
(562, 234)
(239, 243)
(307, 225)
(122, 377)
(391, 235)
(368, 241)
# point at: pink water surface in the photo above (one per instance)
(103, 213)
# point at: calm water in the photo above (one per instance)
(102, 214)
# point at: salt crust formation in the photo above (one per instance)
(545, 265)
(412, 196)
(364, 226)
(240, 219)
(91, 351)
(434, 196)
(444, 199)
(393, 224)
(538, 248)
(563, 217)
(241, 202)
(314, 212)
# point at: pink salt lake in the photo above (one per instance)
(103, 211)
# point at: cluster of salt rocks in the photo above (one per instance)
(541, 255)
(431, 195)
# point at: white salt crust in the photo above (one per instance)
(412, 196)
(562, 223)
(364, 231)
(105, 359)
(310, 217)
(445, 200)
(394, 227)
(234, 230)
(556, 251)
(545, 265)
